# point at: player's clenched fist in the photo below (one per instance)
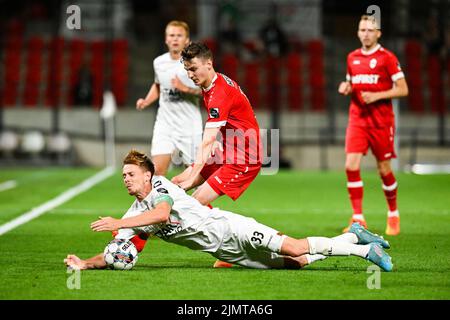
(140, 104)
(345, 88)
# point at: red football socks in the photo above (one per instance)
(355, 190)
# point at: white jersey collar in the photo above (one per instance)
(212, 84)
(377, 47)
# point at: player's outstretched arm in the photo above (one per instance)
(152, 96)
(203, 154)
(96, 262)
(159, 214)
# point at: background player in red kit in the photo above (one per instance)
(230, 115)
(374, 77)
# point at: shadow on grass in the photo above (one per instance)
(237, 268)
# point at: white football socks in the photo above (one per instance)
(331, 247)
(348, 237)
(314, 257)
(358, 216)
(393, 214)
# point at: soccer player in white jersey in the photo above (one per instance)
(163, 209)
(178, 124)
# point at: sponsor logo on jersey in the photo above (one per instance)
(373, 63)
(167, 230)
(228, 80)
(356, 62)
(365, 79)
(157, 184)
(172, 95)
(214, 113)
(162, 190)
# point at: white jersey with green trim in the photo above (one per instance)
(178, 113)
(190, 223)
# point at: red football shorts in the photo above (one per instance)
(230, 179)
(380, 141)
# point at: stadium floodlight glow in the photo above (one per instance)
(430, 168)
(9, 141)
(33, 142)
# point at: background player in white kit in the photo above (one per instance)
(165, 210)
(178, 124)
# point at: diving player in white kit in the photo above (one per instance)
(178, 124)
(163, 209)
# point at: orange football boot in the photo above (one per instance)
(393, 226)
(222, 264)
(361, 222)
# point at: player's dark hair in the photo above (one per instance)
(139, 159)
(196, 50)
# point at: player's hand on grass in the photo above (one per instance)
(141, 104)
(369, 97)
(345, 88)
(105, 224)
(72, 261)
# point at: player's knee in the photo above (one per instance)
(351, 165)
(294, 247)
(201, 198)
(384, 168)
(352, 162)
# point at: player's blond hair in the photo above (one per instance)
(140, 159)
(372, 19)
(179, 23)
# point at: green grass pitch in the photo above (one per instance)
(298, 204)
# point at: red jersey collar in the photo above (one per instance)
(367, 53)
(211, 85)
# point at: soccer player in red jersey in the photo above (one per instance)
(229, 164)
(230, 115)
(374, 77)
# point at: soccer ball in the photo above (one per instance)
(120, 254)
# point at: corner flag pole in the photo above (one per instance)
(107, 113)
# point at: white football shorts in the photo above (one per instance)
(251, 244)
(164, 142)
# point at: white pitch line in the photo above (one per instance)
(64, 197)
(8, 185)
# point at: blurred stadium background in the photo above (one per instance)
(54, 125)
(288, 55)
